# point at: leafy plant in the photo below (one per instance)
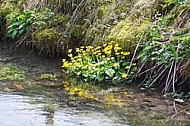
(107, 62)
(11, 73)
(176, 1)
(163, 55)
(49, 77)
(43, 19)
(20, 23)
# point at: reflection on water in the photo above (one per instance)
(17, 110)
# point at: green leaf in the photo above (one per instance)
(21, 31)
(13, 24)
(14, 34)
(110, 72)
(100, 78)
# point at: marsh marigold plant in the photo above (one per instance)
(106, 62)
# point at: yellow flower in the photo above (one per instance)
(112, 58)
(126, 53)
(108, 52)
(94, 53)
(91, 97)
(127, 67)
(88, 50)
(110, 47)
(77, 50)
(117, 45)
(98, 47)
(70, 50)
(65, 83)
(66, 89)
(108, 59)
(99, 54)
(89, 47)
(116, 53)
(79, 59)
(80, 50)
(104, 45)
(117, 48)
(124, 75)
(80, 94)
(82, 47)
(71, 92)
(66, 64)
(134, 64)
(63, 60)
(70, 55)
(65, 86)
(116, 65)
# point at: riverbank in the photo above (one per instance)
(126, 104)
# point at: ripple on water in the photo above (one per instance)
(16, 110)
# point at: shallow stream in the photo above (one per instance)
(35, 102)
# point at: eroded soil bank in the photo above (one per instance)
(50, 101)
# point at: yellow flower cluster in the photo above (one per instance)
(108, 49)
(99, 63)
(66, 64)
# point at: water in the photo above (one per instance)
(18, 110)
(52, 106)
(41, 106)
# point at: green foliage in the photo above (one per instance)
(175, 1)
(11, 73)
(20, 23)
(164, 53)
(175, 48)
(49, 77)
(107, 62)
(43, 19)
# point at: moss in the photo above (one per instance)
(126, 19)
(145, 8)
(127, 33)
(6, 8)
(61, 20)
(51, 42)
(105, 9)
(48, 40)
(56, 5)
(123, 8)
(77, 31)
(181, 15)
